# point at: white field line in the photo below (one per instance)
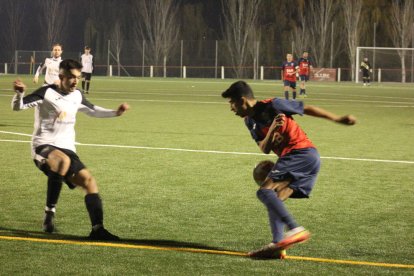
(206, 151)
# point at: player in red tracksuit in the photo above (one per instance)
(271, 125)
(289, 70)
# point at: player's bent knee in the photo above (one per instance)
(58, 162)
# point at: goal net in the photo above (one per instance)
(388, 64)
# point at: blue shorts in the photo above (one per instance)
(289, 83)
(304, 77)
(302, 167)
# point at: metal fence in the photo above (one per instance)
(200, 58)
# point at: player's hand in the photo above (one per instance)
(35, 79)
(278, 121)
(122, 108)
(346, 120)
(19, 86)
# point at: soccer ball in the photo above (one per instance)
(261, 170)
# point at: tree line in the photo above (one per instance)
(252, 32)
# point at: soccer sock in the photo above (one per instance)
(83, 85)
(93, 204)
(304, 91)
(301, 91)
(276, 226)
(54, 186)
(287, 95)
(273, 203)
(294, 94)
(87, 86)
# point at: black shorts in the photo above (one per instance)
(42, 152)
(86, 76)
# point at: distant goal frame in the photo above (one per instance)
(358, 50)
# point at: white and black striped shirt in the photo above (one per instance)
(55, 115)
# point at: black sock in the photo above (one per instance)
(286, 95)
(304, 91)
(87, 86)
(294, 94)
(83, 85)
(54, 186)
(94, 206)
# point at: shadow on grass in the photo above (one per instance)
(148, 242)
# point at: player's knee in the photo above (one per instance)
(58, 162)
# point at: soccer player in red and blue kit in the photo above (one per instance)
(289, 70)
(305, 65)
(272, 126)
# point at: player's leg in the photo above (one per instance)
(293, 86)
(305, 80)
(302, 84)
(286, 89)
(83, 81)
(93, 202)
(88, 82)
(55, 164)
(269, 195)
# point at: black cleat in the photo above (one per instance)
(101, 234)
(49, 222)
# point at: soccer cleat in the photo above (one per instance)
(296, 235)
(49, 222)
(269, 251)
(101, 234)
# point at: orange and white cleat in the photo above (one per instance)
(296, 235)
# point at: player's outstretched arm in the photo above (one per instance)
(322, 113)
(17, 101)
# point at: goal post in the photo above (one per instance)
(393, 64)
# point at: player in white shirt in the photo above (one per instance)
(53, 142)
(87, 69)
(52, 66)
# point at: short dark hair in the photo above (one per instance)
(69, 64)
(237, 90)
(87, 48)
(57, 44)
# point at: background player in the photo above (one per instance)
(87, 69)
(305, 65)
(271, 125)
(53, 142)
(289, 70)
(52, 66)
(366, 70)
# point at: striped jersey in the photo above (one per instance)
(55, 115)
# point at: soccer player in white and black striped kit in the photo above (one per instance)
(53, 142)
(52, 66)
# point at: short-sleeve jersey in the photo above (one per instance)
(52, 69)
(55, 115)
(290, 136)
(87, 63)
(304, 66)
(288, 68)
